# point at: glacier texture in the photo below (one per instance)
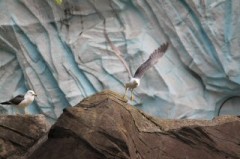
(61, 53)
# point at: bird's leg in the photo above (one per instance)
(126, 88)
(132, 97)
(25, 113)
(13, 111)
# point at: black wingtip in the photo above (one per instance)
(5, 103)
(163, 47)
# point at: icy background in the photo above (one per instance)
(61, 53)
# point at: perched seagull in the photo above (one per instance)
(152, 60)
(21, 101)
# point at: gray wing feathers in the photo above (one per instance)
(117, 52)
(152, 60)
(16, 100)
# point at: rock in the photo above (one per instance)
(20, 135)
(105, 126)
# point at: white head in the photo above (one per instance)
(30, 93)
(135, 81)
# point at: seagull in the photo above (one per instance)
(21, 101)
(150, 62)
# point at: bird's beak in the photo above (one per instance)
(35, 95)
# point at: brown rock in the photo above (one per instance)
(21, 134)
(105, 126)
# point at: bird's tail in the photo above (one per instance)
(5, 103)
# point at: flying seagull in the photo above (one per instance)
(151, 61)
(21, 101)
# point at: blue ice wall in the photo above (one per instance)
(60, 51)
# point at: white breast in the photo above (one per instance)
(133, 83)
(26, 102)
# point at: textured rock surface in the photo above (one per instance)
(21, 135)
(61, 52)
(105, 126)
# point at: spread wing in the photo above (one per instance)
(152, 60)
(16, 100)
(117, 52)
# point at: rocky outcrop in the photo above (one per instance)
(21, 135)
(105, 126)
